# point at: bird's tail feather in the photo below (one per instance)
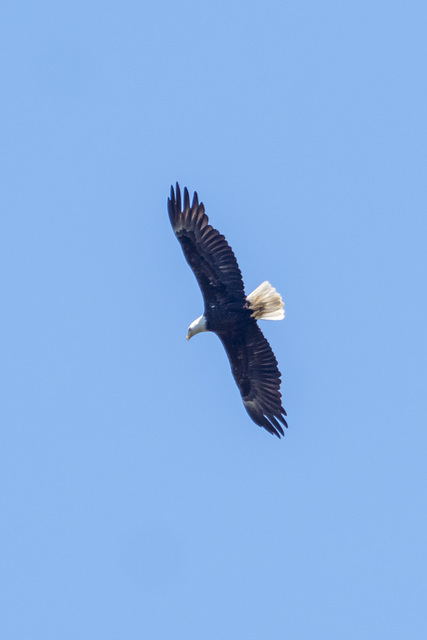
(266, 303)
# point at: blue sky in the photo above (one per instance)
(138, 500)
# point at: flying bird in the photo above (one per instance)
(230, 313)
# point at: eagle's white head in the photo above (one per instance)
(196, 327)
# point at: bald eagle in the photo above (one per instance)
(230, 313)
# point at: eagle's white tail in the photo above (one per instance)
(265, 303)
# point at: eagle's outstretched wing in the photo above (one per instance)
(255, 370)
(206, 251)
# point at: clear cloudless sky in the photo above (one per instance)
(137, 498)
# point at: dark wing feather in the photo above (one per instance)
(255, 370)
(206, 251)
